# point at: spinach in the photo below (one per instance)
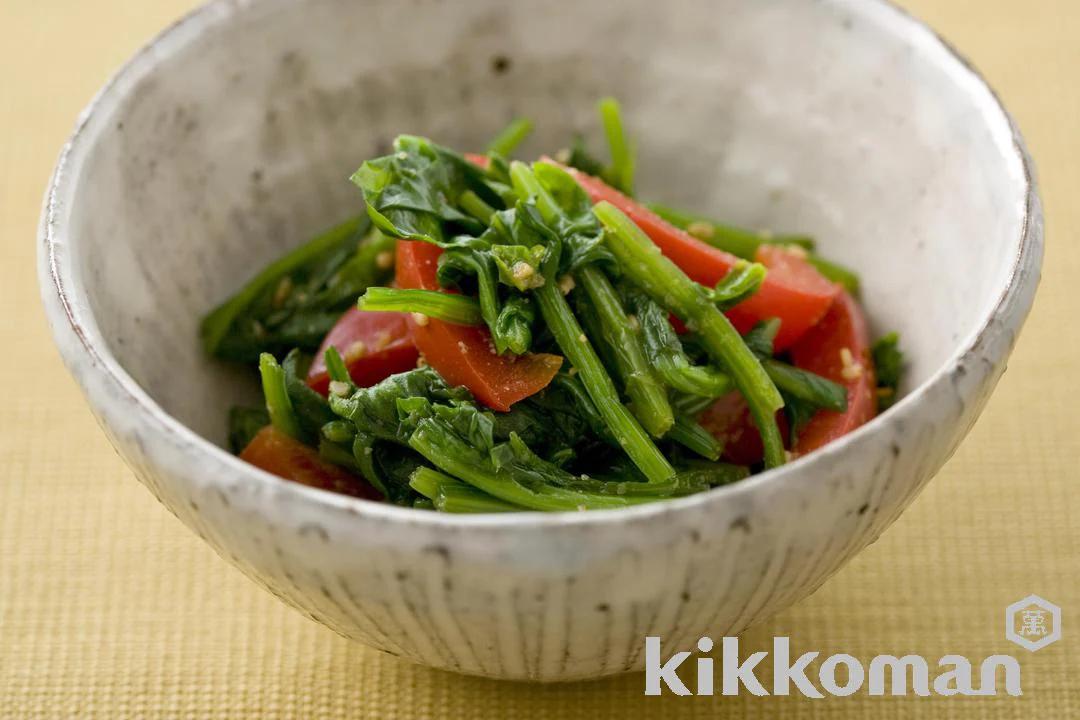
(888, 367)
(743, 280)
(666, 353)
(297, 299)
(510, 137)
(809, 390)
(578, 156)
(621, 173)
(244, 424)
(413, 192)
(374, 410)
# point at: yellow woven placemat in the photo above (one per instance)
(110, 609)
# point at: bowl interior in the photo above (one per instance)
(232, 139)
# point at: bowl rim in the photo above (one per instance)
(60, 286)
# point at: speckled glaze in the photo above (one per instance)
(230, 137)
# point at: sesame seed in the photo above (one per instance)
(384, 260)
(339, 388)
(355, 351)
(421, 361)
(702, 230)
(632, 319)
(420, 319)
(852, 372)
(582, 338)
(566, 284)
(461, 346)
(572, 371)
(522, 271)
(382, 340)
(282, 291)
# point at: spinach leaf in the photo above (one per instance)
(666, 353)
(374, 410)
(807, 388)
(578, 156)
(244, 424)
(310, 408)
(760, 338)
(888, 368)
(413, 193)
(296, 300)
(743, 280)
(578, 228)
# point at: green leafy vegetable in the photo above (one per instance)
(578, 156)
(620, 341)
(456, 309)
(278, 405)
(526, 255)
(691, 435)
(737, 241)
(836, 272)
(244, 425)
(621, 173)
(510, 137)
(743, 280)
(296, 300)
(808, 390)
(745, 243)
(668, 285)
(760, 338)
(573, 341)
(888, 367)
(309, 407)
(817, 391)
(374, 410)
(666, 354)
(413, 192)
(519, 266)
(451, 495)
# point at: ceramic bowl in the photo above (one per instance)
(230, 138)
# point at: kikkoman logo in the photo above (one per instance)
(840, 675)
(1033, 623)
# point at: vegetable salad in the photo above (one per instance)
(493, 335)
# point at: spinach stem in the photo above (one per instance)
(745, 243)
(575, 345)
(511, 136)
(278, 404)
(612, 327)
(475, 206)
(456, 309)
(669, 286)
(452, 495)
(807, 386)
(622, 156)
(691, 435)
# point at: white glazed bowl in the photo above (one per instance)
(230, 138)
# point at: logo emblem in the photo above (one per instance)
(1033, 623)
